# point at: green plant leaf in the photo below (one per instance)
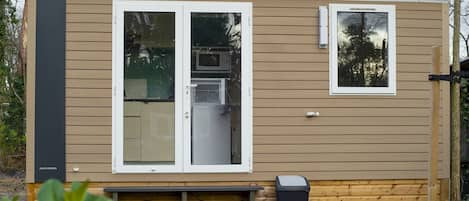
(68, 196)
(79, 191)
(51, 190)
(91, 197)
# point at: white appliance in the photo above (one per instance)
(208, 90)
(211, 123)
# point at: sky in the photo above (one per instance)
(464, 29)
(19, 6)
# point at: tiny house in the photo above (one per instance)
(139, 94)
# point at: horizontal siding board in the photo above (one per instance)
(89, 84)
(286, 140)
(341, 103)
(324, 67)
(312, 30)
(289, 149)
(258, 176)
(324, 76)
(77, 64)
(340, 157)
(288, 121)
(89, 74)
(343, 121)
(88, 121)
(286, 112)
(87, 139)
(88, 149)
(88, 93)
(313, 12)
(88, 102)
(341, 139)
(89, 27)
(323, 167)
(404, 85)
(97, 9)
(324, 94)
(342, 112)
(341, 148)
(89, 46)
(263, 94)
(290, 48)
(107, 84)
(89, 112)
(89, 18)
(89, 158)
(88, 130)
(339, 166)
(286, 158)
(312, 130)
(314, 40)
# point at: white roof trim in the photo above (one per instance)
(416, 1)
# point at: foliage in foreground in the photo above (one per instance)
(53, 190)
(8, 199)
(12, 105)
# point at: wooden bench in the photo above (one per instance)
(183, 190)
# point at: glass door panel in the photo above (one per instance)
(149, 88)
(215, 88)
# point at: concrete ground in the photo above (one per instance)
(12, 185)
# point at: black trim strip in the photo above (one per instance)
(50, 90)
(156, 189)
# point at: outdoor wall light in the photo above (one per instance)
(312, 114)
(323, 26)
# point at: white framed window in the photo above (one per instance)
(182, 79)
(362, 49)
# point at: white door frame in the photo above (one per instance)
(183, 53)
(118, 87)
(246, 83)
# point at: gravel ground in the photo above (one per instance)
(12, 184)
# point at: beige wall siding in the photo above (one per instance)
(30, 87)
(357, 137)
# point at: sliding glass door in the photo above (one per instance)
(216, 88)
(181, 87)
(217, 69)
(149, 66)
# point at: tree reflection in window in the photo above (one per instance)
(149, 52)
(362, 49)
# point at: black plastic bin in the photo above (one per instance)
(292, 188)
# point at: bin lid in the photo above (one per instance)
(292, 183)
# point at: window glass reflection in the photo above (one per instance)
(362, 41)
(216, 92)
(149, 63)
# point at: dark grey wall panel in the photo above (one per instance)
(50, 90)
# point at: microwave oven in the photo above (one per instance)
(215, 61)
